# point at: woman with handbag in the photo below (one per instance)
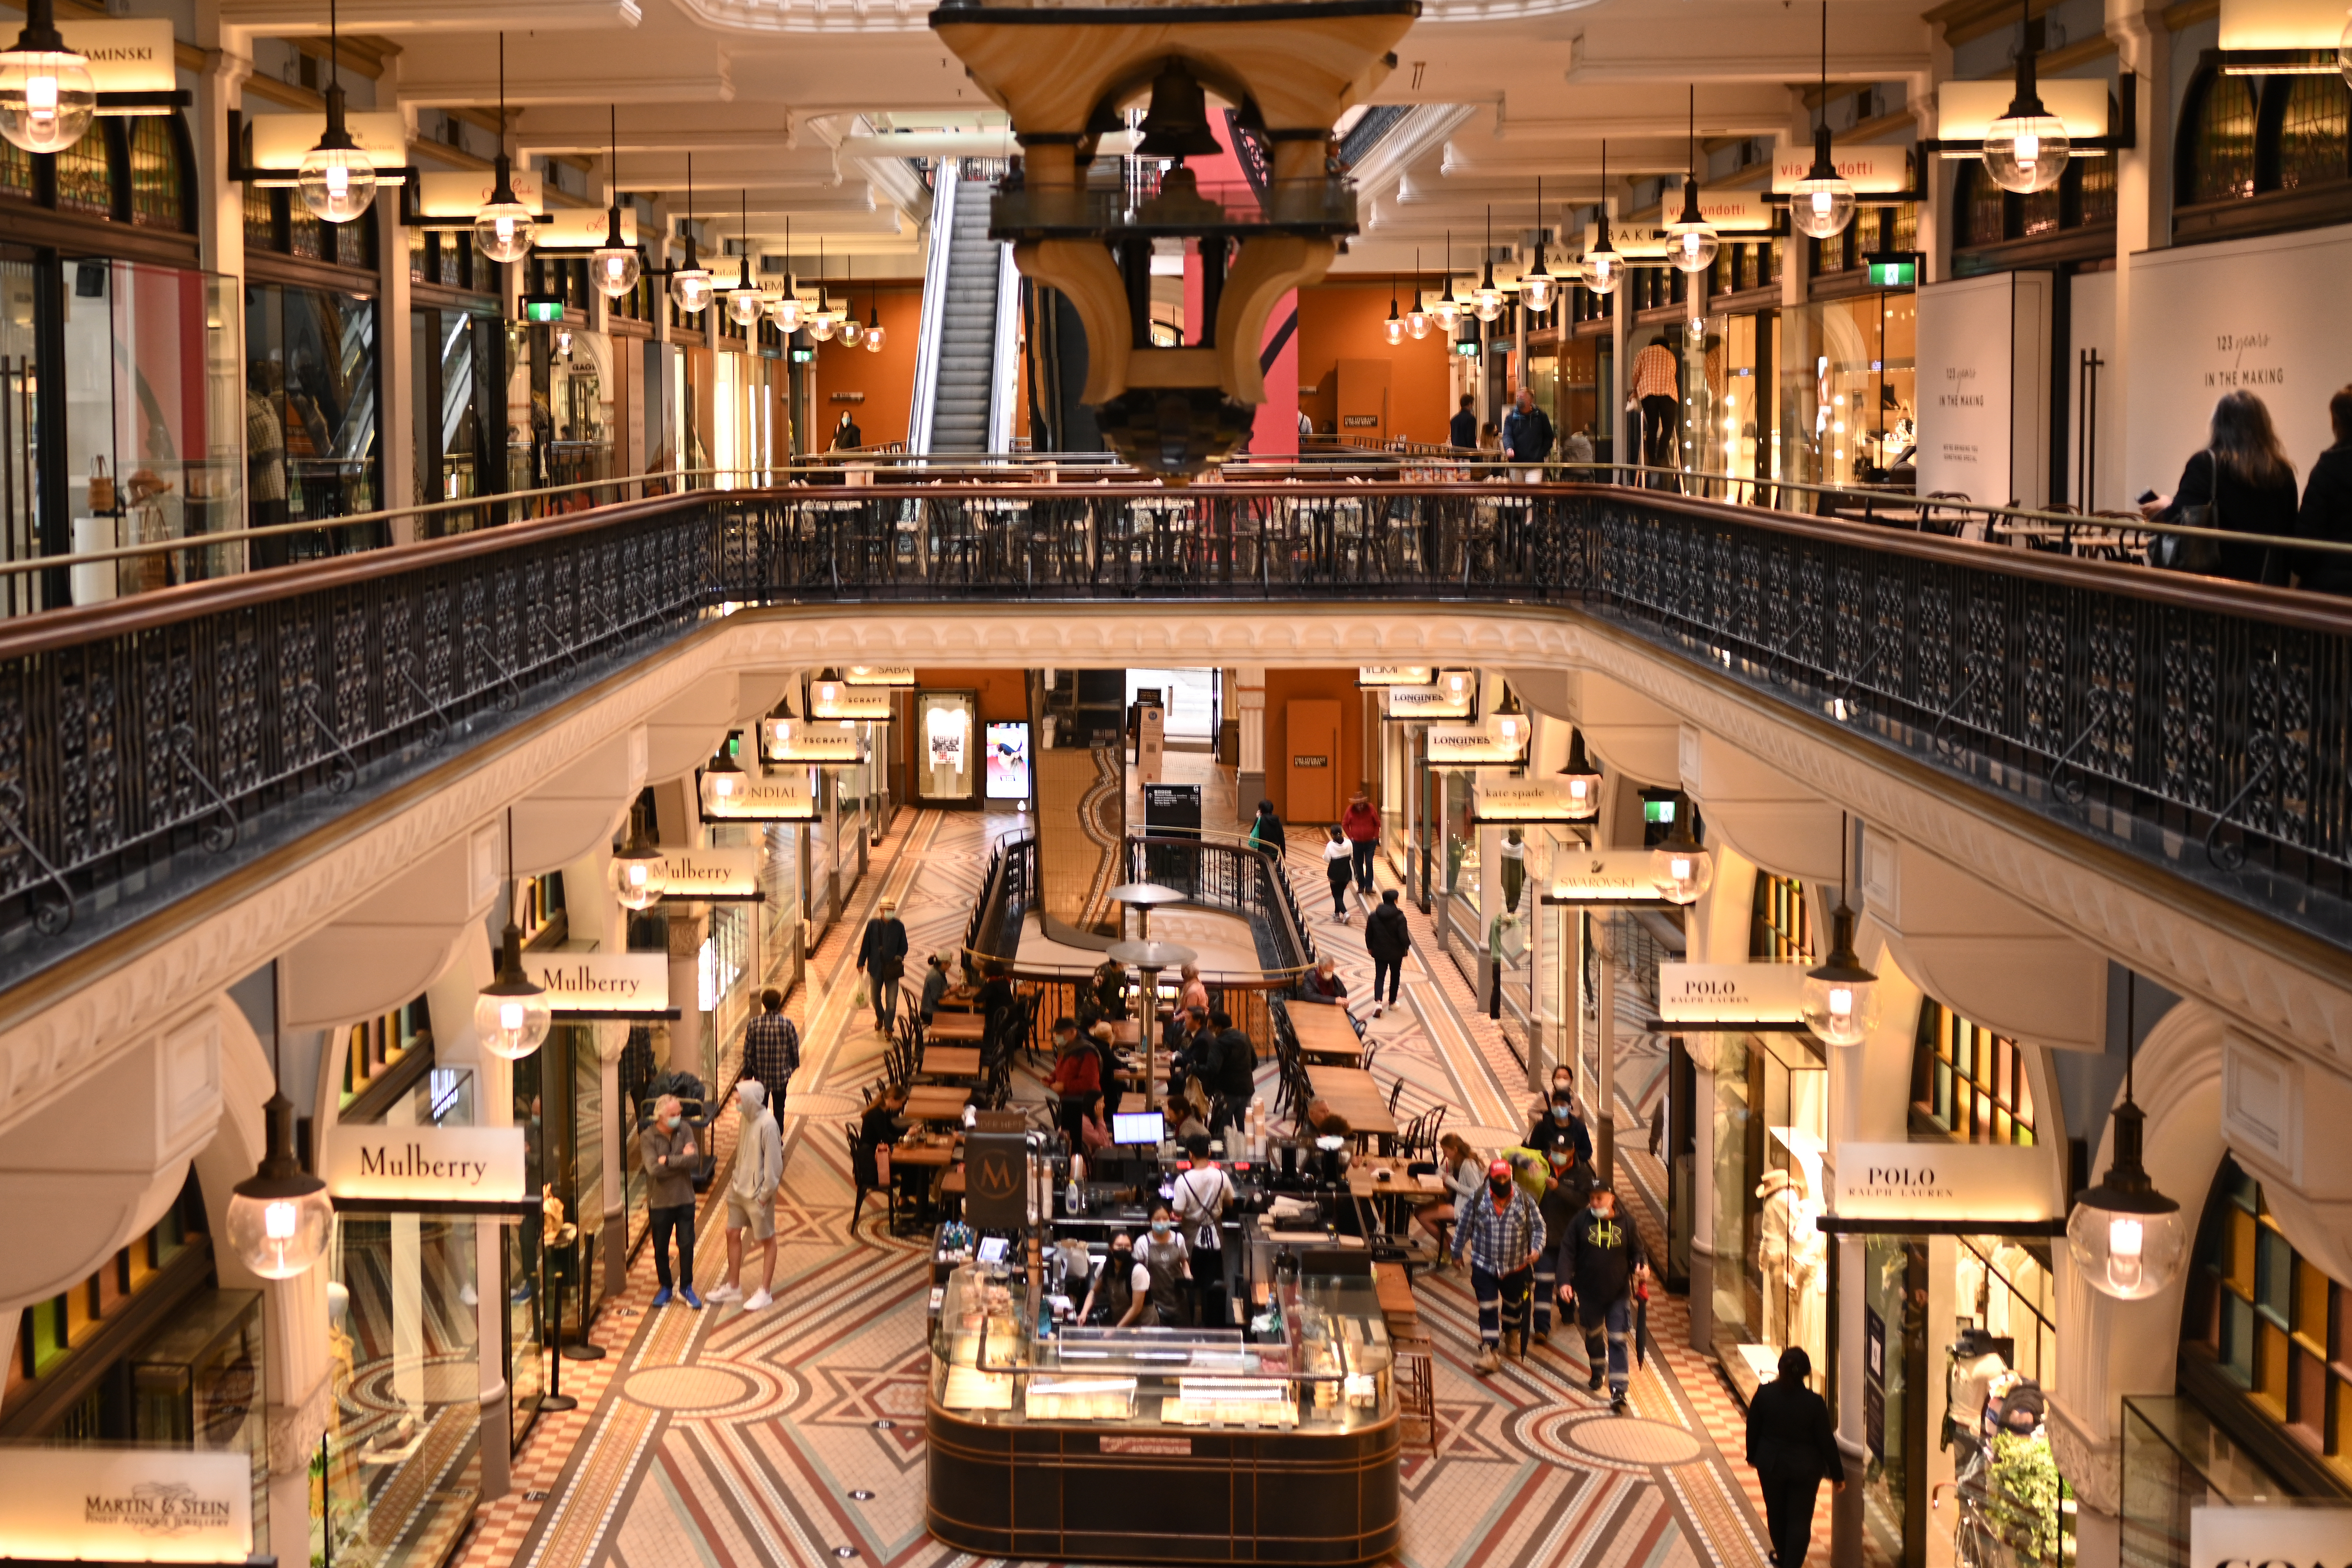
(2243, 482)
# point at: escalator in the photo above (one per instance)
(964, 360)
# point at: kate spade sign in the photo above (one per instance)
(1993, 1182)
(1507, 801)
(1728, 994)
(601, 985)
(425, 1165)
(1604, 877)
(127, 1505)
(686, 874)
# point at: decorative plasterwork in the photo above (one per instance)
(810, 15)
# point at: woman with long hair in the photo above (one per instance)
(2243, 482)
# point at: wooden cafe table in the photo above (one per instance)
(1325, 1034)
(1355, 1095)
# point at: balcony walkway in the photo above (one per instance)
(731, 1438)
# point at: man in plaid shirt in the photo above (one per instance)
(1503, 1231)
(771, 1048)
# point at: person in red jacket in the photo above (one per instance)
(1362, 822)
(1076, 1077)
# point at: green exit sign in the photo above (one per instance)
(542, 308)
(1467, 351)
(1893, 274)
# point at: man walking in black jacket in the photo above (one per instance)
(1604, 1259)
(882, 954)
(1792, 1446)
(1526, 433)
(1388, 939)
(1236, 1072)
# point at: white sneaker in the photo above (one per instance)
(721, 1293)
(759, 1299)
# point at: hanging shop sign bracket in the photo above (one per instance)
(1731, 998)
(1605, 878)
(133, 62)
(1943, 1189)
(1842, 1225)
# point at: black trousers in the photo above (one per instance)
(1660, 415)
(680, 1219)
(1788, 1516)
(1393, 971)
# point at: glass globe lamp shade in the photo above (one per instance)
(874, 333)
(724, 786)
(280, 1220)
(338, 184)
(1448, 314)
(1584, 791)
(503, 231)
(47, 99)
(690, 289)
(1820, 207)
(850, 329)
(1841, 997)
(2128, 1240)
(1691, 247)
(1603, 271)
(511, 1015)
(786, 312)
(636, 876)
(2026, 152)
(745, 306)
(819, 326)
(1416, 323)
(615, 270)
(1393, 330)
(1682, 869)
(1535, 290)
(1486, 301)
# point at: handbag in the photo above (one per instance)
(2191, 553)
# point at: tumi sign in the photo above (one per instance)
(1940, 1182)
(126, 1505)
(589, 986)
(461, 1165)
(1731, 996)
(2315, 1537)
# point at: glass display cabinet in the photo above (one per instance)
(1281, 1438)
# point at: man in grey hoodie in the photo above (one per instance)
(752, 1195)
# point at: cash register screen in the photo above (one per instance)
(1136, 1127)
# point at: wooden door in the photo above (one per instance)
(1311, 760)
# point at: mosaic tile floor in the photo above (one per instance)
(793, 1435)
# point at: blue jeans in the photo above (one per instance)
(1364, 847)
(1615, 1326)
(680, 1219)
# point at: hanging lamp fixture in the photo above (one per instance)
(745, 303)
(819, 321)
(336, 179)
(1537, 284)
(634, 874)
(723, 781)
(1487, 299)
(1822, 204)
(786, 308)
(1692, 242)
(279, 1219)
(504, 229)
(616, 266)
(849, 328)
(1841, 997)
(1682, 869)
(2026, 149)
(1448, 311)
(2128, 1238)
(1416, 321)
(511, 1015)
(1603, 267)
(47, 93)
(873, 319)
(690, 287)
(1392, 330)
(1581, 779)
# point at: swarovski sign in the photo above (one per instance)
(126, 1505)
(1604, 877)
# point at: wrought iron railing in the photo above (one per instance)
(150, 745)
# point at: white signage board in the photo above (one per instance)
(839, 699)
(621, 984)
(2261, 1537)
(1732, 212)
(583, 228)
(709, 873)
(1874, 168)
(462, 193)
(782, 795)
(128, 54)
(1604, 877)
(1442, 700)
(1994, 1181)
(878, 674)
(1506, 800)
(2273, 24)
(280, 139)
(1965, 110)
(2269, 316)
(810, 741)
(1471, 746)
(1641, 241)
(1984, 387)
(425, 1165)
(1730, 993)
(127, 1505)
(1375, 675)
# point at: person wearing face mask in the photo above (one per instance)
(1502, 1230)
(1558, 1122)
(1602, 1262)
(1170, 1262)
(1567, 1190)
(1121, 1290)
(669, 1154)
(751, 1197)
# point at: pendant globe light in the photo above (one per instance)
(2026, 149)
(511, 1015)
(847, 326)
(504, 229)
(820, 321)
(47, 93)
(634, 874)
(786, 308)
(2128, 1240)
(745, 303)
(1537, 284)
(1448, 313)
(336, 178)
(615, 267)
(1487, 300)
(872, 321)
(279, 1219)
(1682, 869)
(691, 286)
(1416, 321)
(1822, 204)
(1392, 330)
(1603, 267)
(723, 781)
(1691, 240)
(1581, 779)
(1841, 997)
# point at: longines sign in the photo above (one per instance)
(586, 985)
(1937, 1181)
(1470, 746)
(118, 1505)
(1730, 995)
(425, 1165)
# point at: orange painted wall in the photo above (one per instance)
(888, 378)
(1003, 693)
(1338, 685)
(1342, 321)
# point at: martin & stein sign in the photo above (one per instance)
(126, 1505)
(1503, 802)
(582, 987)
(455, 1166)
(1386, 675)
(782, 796)
(1732, 995)
(1937, 1183)
(1471, 746)
(810, 741)
(728, 875)
(1604, 877)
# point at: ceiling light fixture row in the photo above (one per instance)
(505, 228)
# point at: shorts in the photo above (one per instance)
(759, 1218)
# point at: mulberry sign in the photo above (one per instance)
(427, 1164)
(725, 875)
(126, 1505)
(591, 986)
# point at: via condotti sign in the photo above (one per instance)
(2318, 1537)
(425, 1165)
(1724, 995)
(126, 1505)
(1995, 1182)
(601, 985)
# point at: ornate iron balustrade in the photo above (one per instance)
(150, 745)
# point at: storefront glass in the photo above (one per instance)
(946, 736)
(311, 380)
(1523, 863)
(1848, 387)
(1772, 1121)
(199, 1384)
(1734, 435)
(2176, 1459)
(458, 356)
(1894, 1376)
(780, 879)
(1460, 916)
(1581, 363)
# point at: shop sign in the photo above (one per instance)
(1642, 242)
(810, 741)
(1992, 1183)
(1380, 675)
(1447, 698)
(1470, 746)
(839, 699)
(126, 1505)
(1604, 877)
(1965, 110)
(601, 985)
(280, 139)
(583, 228)
(462, 193)
(136, 55)
(784, 795)
(879, 675)
(685, 874)
(1504, 801)
(1984, 385)
(425, 1165)
(1874, 168)
(1736, 212)
(2314, 1537)
(2245, 25)
(1725, 996)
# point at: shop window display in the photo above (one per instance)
(311, 414)
(1968, 1083)
(1848, 389)
(1771, 1102)
(946, 741)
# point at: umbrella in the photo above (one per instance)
(1640, 1325)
